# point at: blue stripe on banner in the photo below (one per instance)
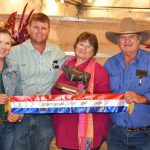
(106, 109)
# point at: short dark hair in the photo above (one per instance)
(87, 36)
(5, 30)
(40, 17)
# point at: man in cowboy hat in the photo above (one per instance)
(130, 74)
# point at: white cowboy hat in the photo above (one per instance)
(128, 25)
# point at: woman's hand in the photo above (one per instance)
(3, 98)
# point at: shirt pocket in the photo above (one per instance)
(114, 81)
(27, 72)
(54, 74)
(23, 71)
(144, 86)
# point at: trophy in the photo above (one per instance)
(73, 74)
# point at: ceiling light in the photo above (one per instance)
(89, 1)
(62, 1)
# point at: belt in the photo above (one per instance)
(32, 115)
(29, 115)
(3, 119)
(137, 129)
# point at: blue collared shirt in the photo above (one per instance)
(124, 79)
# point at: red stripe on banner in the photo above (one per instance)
(67, 97)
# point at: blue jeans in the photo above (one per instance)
(6, 135)
(34, 132)
(121, 139)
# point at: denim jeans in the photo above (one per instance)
(6, 135)
(121, 139)
(34, 132)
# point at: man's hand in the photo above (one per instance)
(14, 117)
(3, 98)
(131, 96)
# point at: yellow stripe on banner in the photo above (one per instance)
(8, 105)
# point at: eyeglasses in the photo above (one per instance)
(84, 46)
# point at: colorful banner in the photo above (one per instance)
(77, 103)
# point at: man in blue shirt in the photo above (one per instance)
(130, 74)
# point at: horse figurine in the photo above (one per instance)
(73, 74)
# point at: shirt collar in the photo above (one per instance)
(139, 54)
(137, 59)
(30, 47)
